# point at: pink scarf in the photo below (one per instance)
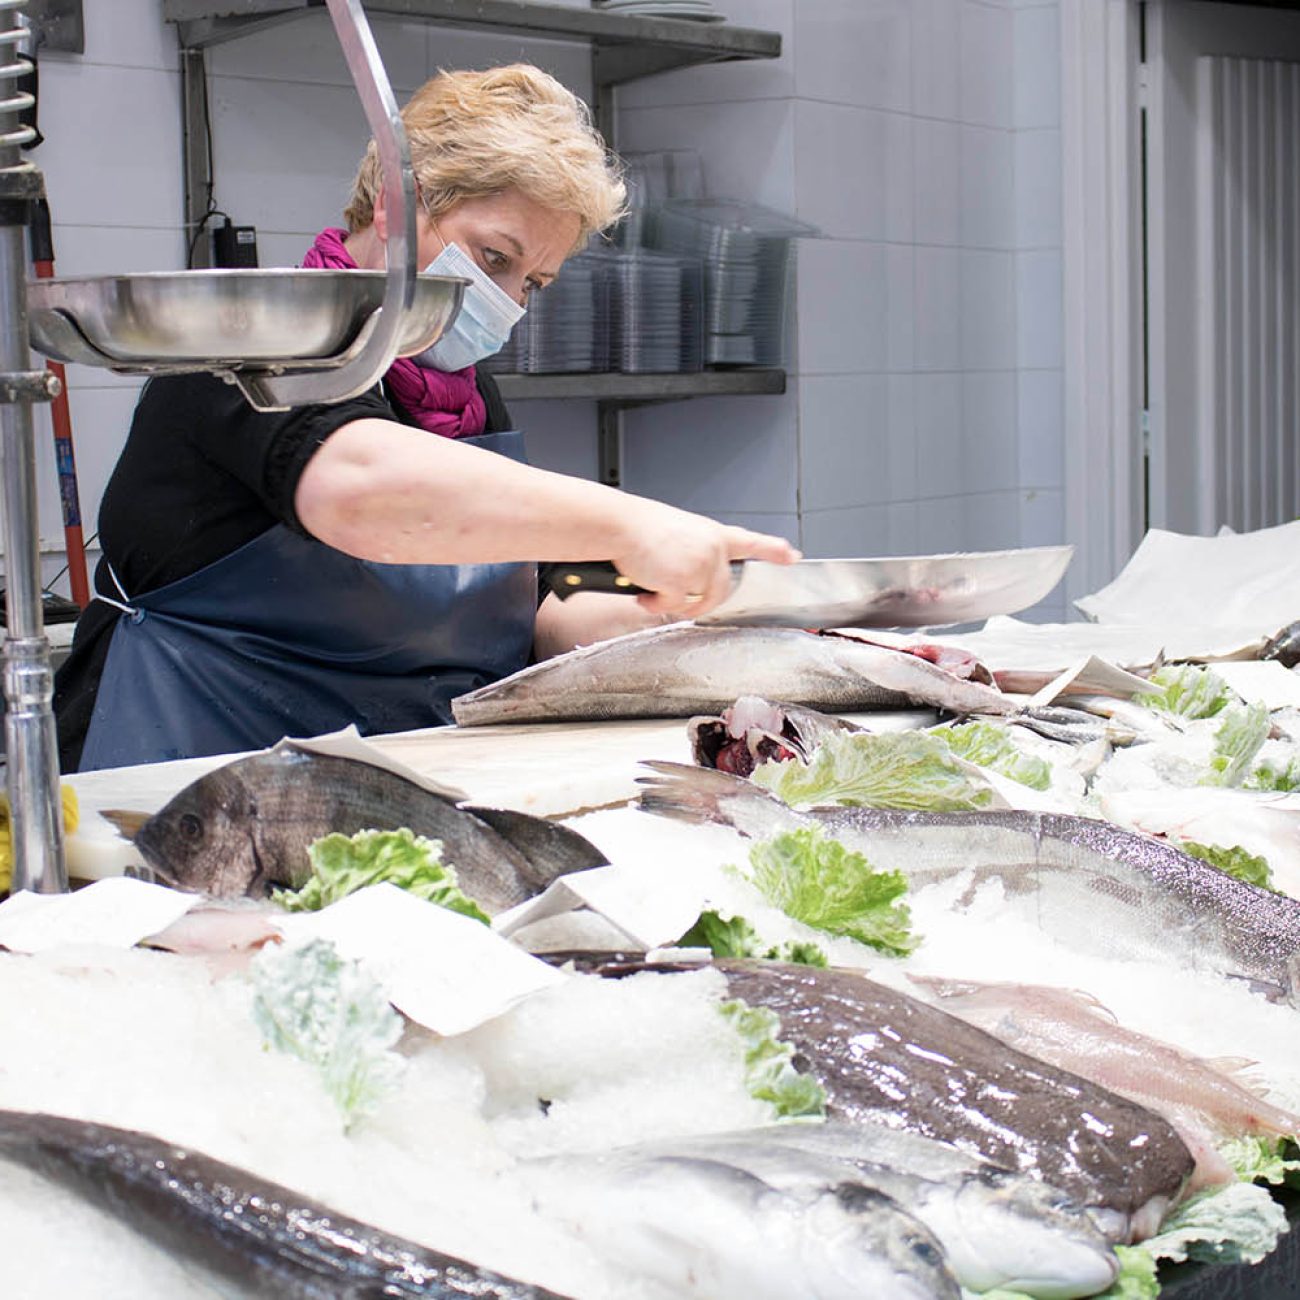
(444, 402)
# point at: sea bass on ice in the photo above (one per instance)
(1073, 1031)
(246, 826)
(265, 1238)
(998, 1229)
(1093, 886)
(890, 1059)
(680, 670)
(705, 1228)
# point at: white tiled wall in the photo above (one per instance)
(921, 136)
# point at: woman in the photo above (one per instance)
(270, 574)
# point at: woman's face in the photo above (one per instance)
(516, 241)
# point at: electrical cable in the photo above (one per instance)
(210, 184)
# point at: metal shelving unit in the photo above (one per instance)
(623, 48)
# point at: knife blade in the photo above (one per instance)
(890, 591)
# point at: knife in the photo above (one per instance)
(891, 591)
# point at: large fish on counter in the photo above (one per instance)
(886, 1058)
(680, 670)
(1094, 886)
(706, 1228)
(265, 1238)
(246, 826)
(998, 1229)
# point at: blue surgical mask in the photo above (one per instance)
(483, 324)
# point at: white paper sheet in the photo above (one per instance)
(1263, 681)
(349, 743)
(1239, 579)
(116, 913)
(445, 971)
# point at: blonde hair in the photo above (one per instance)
(474, 134)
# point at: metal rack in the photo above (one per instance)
(623, 48)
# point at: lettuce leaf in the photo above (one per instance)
(1188, 692)
(1283, 779)
(342, 864)
(818, 881)
(1237, 1224)
(986, 744)
(904, 769)
(769, 1070)
(1241, 733)
(1260, 1159)
(736, 937)
(1235, 861)
(310, 1002)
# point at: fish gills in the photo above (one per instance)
(890, 1059)
(268, 1239)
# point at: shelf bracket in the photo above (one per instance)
(609, 443)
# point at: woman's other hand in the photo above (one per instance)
(684, 560)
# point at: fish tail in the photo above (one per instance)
(699, 795)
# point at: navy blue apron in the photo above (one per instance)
(289, 637)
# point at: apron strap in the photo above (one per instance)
(121, 591)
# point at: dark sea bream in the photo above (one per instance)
(268, 1240)
(886, 1058)
(1089, 884)
(246, 826)
(680, 670)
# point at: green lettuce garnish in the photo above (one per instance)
(818, 881)
(904, 769)
(1137, 1276)
(1187, 691)
(736, 937)
(1249, 867)
(1275, 778)
(769, 1070)
(342, 864)
(1238, 739)
(986, 744)
(1261, 1159)
(1237, 1224)
(310, 1002)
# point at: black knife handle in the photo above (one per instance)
(589, 575)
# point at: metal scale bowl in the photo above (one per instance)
(285, 337)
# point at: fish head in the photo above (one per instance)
(205, 839)
(1006, 1230)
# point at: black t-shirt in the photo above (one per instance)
(202, 473)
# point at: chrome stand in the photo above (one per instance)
(32, 775)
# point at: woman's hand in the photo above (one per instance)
(684, 559)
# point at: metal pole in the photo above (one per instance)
(36, 822)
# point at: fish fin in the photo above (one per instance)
(128, 823)
(694, 794)
(1231, 1065)
(946, 988)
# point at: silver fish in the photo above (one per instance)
(754, 730)
(997, 1228)
(890, 1059)
(680, 670)
(1092, 886)
(705, 1228)
(1077, 1033)
(246, 826)
(266, 1239)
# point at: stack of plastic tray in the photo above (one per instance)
(564, 329)
(748, 256)
(655, 313)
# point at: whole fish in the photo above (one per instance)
(1077, 1033)
(997, 1228)
(890, 1059)
(705, 1228)
(266, 1239)
(1093, 886)
(754, 731)
(682, 669)
(246, 826)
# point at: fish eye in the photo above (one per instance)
(191, 827)
(926, 1253)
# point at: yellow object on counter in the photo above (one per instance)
(71, 815)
